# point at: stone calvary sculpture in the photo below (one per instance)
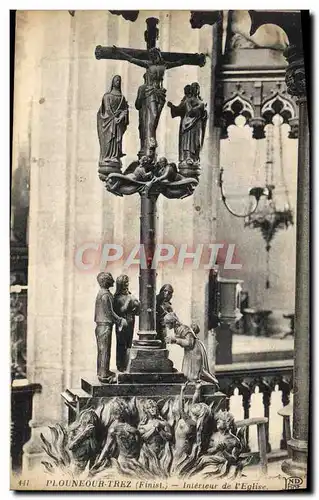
(150, 177)
(148, 419)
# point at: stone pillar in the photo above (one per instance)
(59, 170)
(205, 198)
(229, 294)
(48, 185)
(297, 464)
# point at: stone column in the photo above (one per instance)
(297, 464)
(48, 235)
(205, 198)
(60, 341)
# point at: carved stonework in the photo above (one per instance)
(279, 104)
(295, 74)
(294, 128)
(236, 105)
(151, 178)
(257, 101)
(18, 327)
(148, 439)
(258, 125)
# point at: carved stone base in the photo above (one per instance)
(108, 167)
(93, 393)
(297, 465)
(294, 469)
(151, 378)
(189, 169)
(33, 452)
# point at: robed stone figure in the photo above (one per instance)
(163, 307)
(127, 307)
(193, 123)
(195, 362)
(112, 121)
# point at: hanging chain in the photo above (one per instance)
(282, 167)
(267, 271)
(272, 155)
(269, 159)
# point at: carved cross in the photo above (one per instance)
(150, 36)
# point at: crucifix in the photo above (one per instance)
(147, 355)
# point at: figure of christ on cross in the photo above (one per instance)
(152, 95)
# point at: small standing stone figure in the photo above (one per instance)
(112, 121)
(192, 128)
(163, 307)
(195, 362)
(126, 306)
(105, 318)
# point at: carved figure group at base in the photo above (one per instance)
(148, 439)
(120, 310)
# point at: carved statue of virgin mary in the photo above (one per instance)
(112, 121)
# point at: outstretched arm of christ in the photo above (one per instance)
(181, 62)
(133, 60)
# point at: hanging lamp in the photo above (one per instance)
(269, 218)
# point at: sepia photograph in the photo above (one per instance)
(159, 250)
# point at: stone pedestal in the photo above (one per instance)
(93, 393)
(148, 360)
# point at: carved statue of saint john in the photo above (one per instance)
(193, 123)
